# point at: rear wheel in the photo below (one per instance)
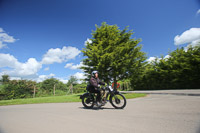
(88, 101)
(118, 101)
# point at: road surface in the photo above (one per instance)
(151, 114)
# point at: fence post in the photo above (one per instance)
(34, 92)
(71, 88)
(127, 86)
(54, 89)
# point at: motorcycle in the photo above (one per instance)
(116, 99)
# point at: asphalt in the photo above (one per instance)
(155, 113)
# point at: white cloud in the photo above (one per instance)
(198, 12)
(63, 80)
(60, 55)
(31, 67)
(41, 78)
(167, 57)
(156, 59)
(80, 76)
(189, 36)
(73, 67)
(1, 29)
(44, 77)
(18, 69)
(5, 38)
(69, 65)
(16, 78)
(195, 43)
(151, 59)
(7, 60)
(87, 41)
(46, 69)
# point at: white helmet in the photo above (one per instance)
(93, 73)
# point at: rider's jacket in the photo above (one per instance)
(94, 82)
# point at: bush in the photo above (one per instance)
(17, 89)
(79, 88)
(2, 93)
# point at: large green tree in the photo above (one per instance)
(113, 52)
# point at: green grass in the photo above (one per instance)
(134, 95)
(56, 99)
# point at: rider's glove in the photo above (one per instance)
(99, 85)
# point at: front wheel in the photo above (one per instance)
(118, 101)
(88, 101)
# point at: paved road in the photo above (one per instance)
(151, 114)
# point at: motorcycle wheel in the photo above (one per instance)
(118, 101)
(88, 101)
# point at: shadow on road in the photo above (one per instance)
(97, 108)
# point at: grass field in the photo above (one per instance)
(56, 99)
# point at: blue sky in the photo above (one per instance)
(43, 38)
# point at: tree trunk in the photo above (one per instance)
(71, 88)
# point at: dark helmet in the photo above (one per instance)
(93, 73)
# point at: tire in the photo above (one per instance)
(88, 101)
(118, 101)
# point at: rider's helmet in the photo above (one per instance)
(93, 73)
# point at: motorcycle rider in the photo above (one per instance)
(95, 83)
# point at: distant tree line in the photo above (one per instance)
(13, 89)
(181, 70)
